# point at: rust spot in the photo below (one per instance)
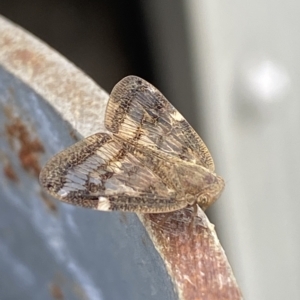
(28, 148)
(6, 41)
(55, 291)
(60, 280)
(9, 172)
(28, 59)
(50, 204)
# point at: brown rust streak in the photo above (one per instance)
(28, 59)
(8, 169)
(194, 258)
(29, 148)
(56, 291)
(59, 282)
(9, 172)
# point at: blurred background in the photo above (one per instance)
(231, 69)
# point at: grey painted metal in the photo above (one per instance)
(246, 59)
(50, 250)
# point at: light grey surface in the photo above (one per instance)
(246, 63)
(82, 253)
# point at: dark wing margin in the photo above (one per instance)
(98, 172)
(138, 113)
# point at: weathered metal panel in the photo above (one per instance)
(50, 250)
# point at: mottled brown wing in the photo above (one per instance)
(99, 172)
(138, 113)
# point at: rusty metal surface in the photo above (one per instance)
(50, 250)
(75, 97)
(194, 257)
